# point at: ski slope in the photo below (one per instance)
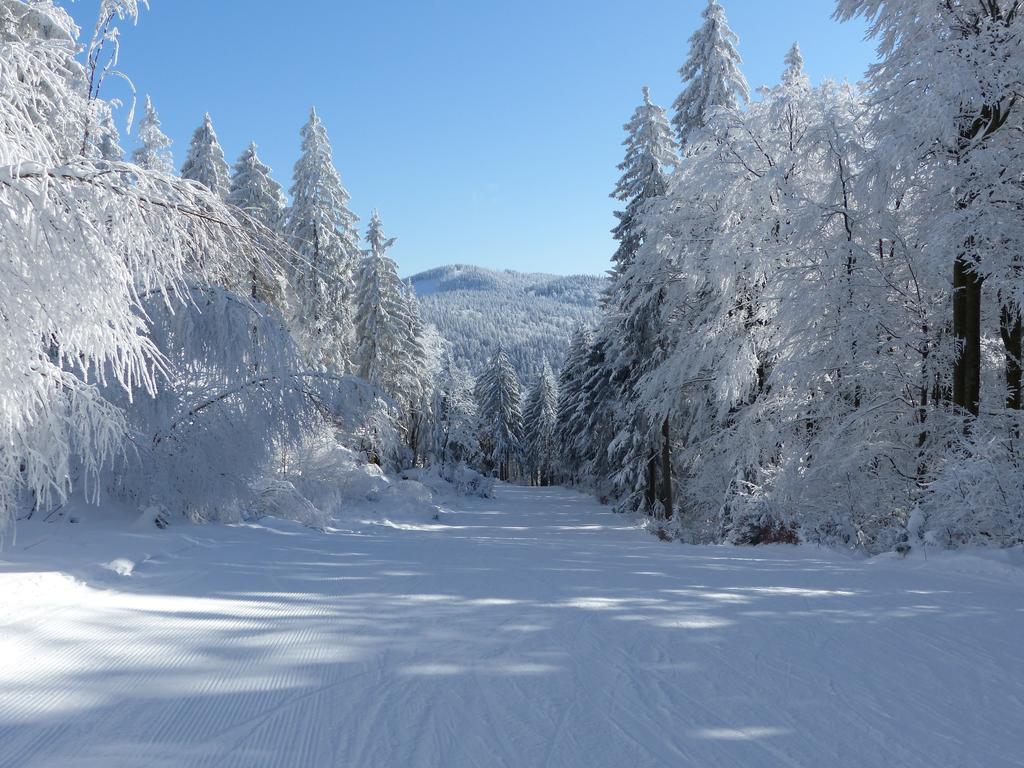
(535, 629)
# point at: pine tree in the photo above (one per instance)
(454, 438)
(385, 323)
(205, 162)
(321, 229)
(650, 151)
(254, 190)
(109, 146)
(424, 351)
(571, 419)
(711, 74)
(626, 338)
(154, 153)
(540, 428)
(501, 418)
(794, 74)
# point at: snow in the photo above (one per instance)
(533, 629)
(121, 566)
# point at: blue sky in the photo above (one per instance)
(485, 132)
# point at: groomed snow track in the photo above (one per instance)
(535, 629)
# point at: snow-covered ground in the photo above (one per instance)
(535, 629)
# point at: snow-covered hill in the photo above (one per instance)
(531, 315)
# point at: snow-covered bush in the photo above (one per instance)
(978, 495)
(280, 499)
(465, 480)
(326, 473)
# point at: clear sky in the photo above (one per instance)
(485, 132)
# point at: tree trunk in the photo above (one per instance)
(666, 470)
(1012, 331)
(967, 332)
(651, 492)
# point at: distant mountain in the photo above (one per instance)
(531, 315)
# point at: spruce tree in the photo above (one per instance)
(252, 189)
(540, 428)
(205, 162)
(650, 153)
(623, 446)
(154, 152)
(386, 326)
(711, 74)
(454, 438)
(571, 419)
(321, 230)
(424, 345)
(109, 146)
(794, 73)
(501, 417)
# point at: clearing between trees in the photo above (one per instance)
(533, 629)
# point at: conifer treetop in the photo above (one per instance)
(254, 190)
(154, 154)
(711, 74)
(205, 162)
(794, 72)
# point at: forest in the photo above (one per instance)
(753, 497)
(811, 331)
(531, 316)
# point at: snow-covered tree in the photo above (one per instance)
(627, 335)
(154, 152)
(205, 162)
(794, 75)
(109, 146)
(100, 136)
(711, 74)
(217, 387)
(650, 155)
(571, 416)
(540, 429)
(499, 402)
(84, 244)
(957, 132)
(787, 325)
(632, 340)
(951, 154)
(385, 328)
(426, 353)
(454, 439)
(322, 230)
(254, 190)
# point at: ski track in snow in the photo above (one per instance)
(535, 629)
